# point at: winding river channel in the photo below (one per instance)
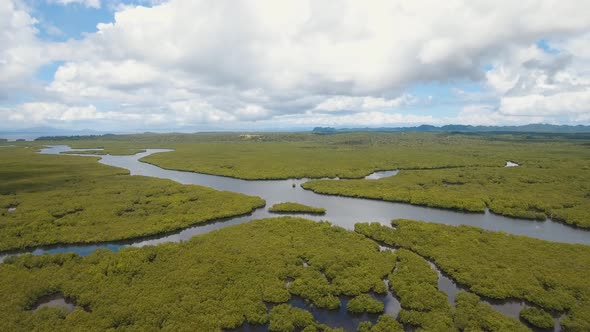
(342, 211)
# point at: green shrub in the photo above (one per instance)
(285, 318)
(537, 317)
(473, 315)
(219, 280)
(415, 284)
(501, 266)
(364, 303)
(290, 207)
(385, 323)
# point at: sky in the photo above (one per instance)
(191, 65)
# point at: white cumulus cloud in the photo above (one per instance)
(186, 62)
(87, 3)
(367, 103)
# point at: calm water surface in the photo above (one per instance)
(55, 300)
(381, 174)
(511, 164)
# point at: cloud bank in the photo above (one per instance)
(256, 64)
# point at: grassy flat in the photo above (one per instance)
(443, 170)
(290, 207)
(55, 199)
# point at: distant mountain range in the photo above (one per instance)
(49, 132)
(530, 128)
(32, 133)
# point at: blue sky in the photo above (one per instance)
(264, 65)
(59, 22)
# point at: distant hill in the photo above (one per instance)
(35, 132)
(74, 137)
(530, 128)
(47, 131)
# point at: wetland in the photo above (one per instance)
(464, 252)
